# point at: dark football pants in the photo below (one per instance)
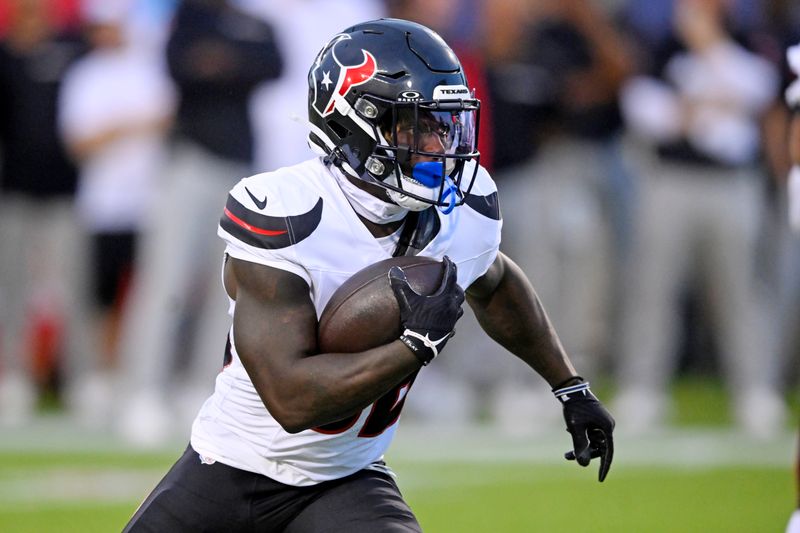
(195, 497)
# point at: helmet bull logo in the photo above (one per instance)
(347, 74)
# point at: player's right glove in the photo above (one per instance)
(428, 321)
(590, 425)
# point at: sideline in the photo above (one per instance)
(689, 449)
(694, 446)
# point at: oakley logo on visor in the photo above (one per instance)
(409, 96)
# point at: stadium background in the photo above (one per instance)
(699, 473)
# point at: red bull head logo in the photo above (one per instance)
(347, 66)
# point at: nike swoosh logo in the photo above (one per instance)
(260, 204)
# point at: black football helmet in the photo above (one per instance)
(388, 103)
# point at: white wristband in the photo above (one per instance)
(564, 392)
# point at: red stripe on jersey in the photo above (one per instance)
(245, 225)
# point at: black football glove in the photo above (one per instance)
(590, 425)
(428, 321)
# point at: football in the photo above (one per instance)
(363, 312)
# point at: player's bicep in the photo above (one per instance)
(484, 287)
(274, 321)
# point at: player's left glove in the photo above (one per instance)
(590, 425)
(428, 321)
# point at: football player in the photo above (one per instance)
(293, 439)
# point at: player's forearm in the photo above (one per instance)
(275, 336)
(514, 316)
(325, 388)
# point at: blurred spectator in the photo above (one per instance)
(577, 60)
(697, 112)
(61, 14)
(217, 55)
(147, 24)
(555, 75)
(41, 250)
(115, 105)
(281, 107)
(784, 25)
(793, 101)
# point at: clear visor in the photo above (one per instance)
(437, 132)
(429, 134)
(426, 144)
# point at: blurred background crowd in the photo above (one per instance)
(639, 147)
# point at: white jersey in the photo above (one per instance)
(298, 219)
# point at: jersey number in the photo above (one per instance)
(385, 412)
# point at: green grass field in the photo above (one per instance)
(699, 477)
(520, 498)
(78, 492)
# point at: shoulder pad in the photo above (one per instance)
(294, 217)
(483, 196)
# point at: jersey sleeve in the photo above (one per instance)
(264, 219)
(482, 229)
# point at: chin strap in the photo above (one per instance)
(407, 234)
(451, 193)
(331, 160)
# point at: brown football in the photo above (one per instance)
(363, 312)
